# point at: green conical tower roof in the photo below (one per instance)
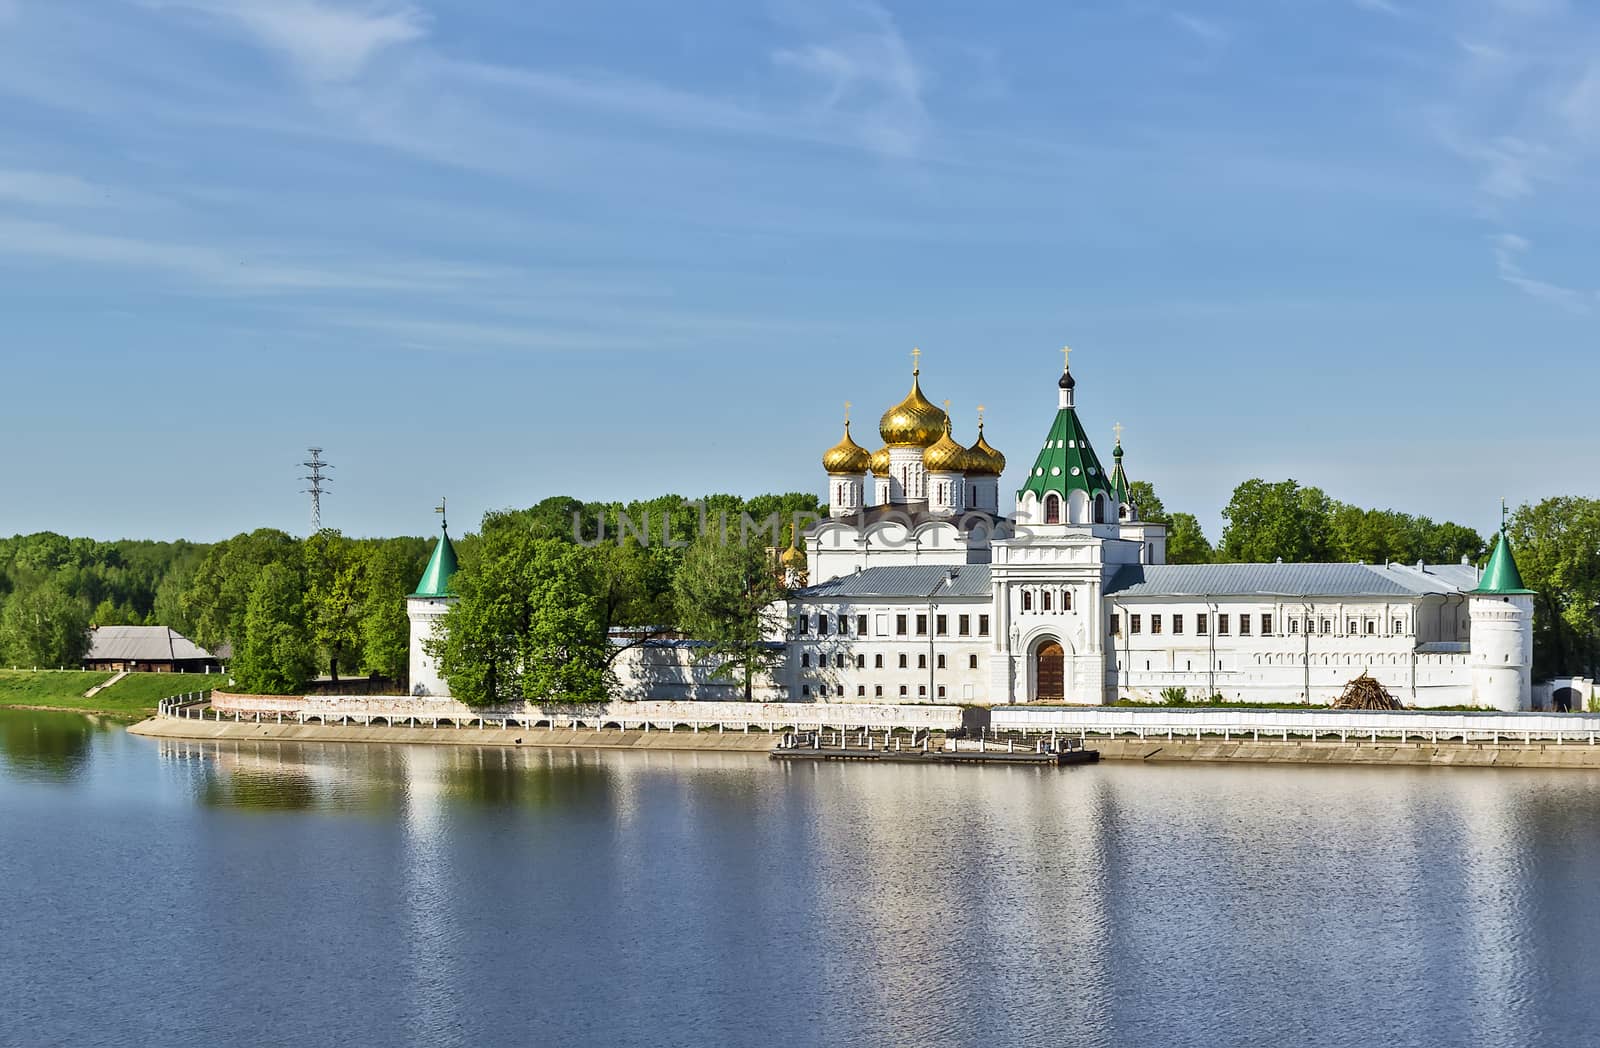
(436, 580)
(1119, 478)
(1501, 577)
(1067, 463)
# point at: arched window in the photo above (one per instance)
(1052, 509)
(1066, 600)
(1046, 604)
(1099, 509)
(1027, 600)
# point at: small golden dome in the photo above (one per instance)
(915, 422)
(983, 460)
(945, 455)
(846, 456)
(880, 463)
(793, 557)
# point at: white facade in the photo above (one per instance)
(1078, 604)
(424, 614)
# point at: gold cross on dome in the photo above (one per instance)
(916, 358)
(847, 412)
(1118, 428)
(1066, 358)
(980, 414)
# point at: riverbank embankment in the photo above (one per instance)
(586, 738)
(1381, 753)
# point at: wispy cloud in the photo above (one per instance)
(1509, 250)
(49, 189)
(869, 83)
(1203, 29)
(324, 42)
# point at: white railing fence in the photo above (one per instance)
(1283, 725)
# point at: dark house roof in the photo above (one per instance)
(142, 644)
(1290, 580)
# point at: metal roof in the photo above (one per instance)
(911, 580)
(1289, 580)
(441, 566)
(141, 644)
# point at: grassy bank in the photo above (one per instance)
(63, 689)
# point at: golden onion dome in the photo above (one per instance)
(846, 456)
(945, 455)
(915, 422)
(983, 460)
(879, 463)
(793, 557)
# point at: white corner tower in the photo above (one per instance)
(425, 607)
(1501, 638)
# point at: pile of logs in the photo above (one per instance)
(1365, 693)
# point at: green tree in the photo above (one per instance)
(528, 622)
(1187, 542)
(1147, 502)
(334, 591)
(44, 626)
(1267, 521)
(725, 594)
(392, 568)
(1557, 546)
(216, 598)
(276, 656)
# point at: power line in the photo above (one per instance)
(319, 483)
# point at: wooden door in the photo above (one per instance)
(1049, 673)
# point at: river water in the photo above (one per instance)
(271, 894)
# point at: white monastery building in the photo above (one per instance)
(916, 589)
(920, 591)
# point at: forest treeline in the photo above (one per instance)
(534, 584)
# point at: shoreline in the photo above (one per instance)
(531, 738)
(1389, 753)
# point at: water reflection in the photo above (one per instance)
(405, 895)
(52, 746)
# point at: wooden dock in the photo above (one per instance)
(887, 748)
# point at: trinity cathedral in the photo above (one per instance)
(919, 590)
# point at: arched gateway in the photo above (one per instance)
(1049, 672)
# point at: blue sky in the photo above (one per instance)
(512, 248)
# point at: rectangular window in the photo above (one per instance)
(972, 662)
(1294, 625)
(1266, 625)
(861, 662)
(941, 625)
(922, 691)
(939, 664)
(902, 691)
(1223, 624)
(883, 625)
(964, 625)
(922, 662)
(802, 625)
(1202, 623)
(861, 691)
(1327, 626)
(838, 661)
(1244, 625)
(1399, 627)
(1155, 623)
(805, 689)
(983, 625)
(1352, 631)
(877, 662)
(899, 625)
(861, 625)
(1372, 627)
(839, 691)
(822, 625)
(805, 660)
(941, 691)
(1135, 624)
(1177, 624)
(902, 660)
(877, 691)
(1116, 624)
(922, 625)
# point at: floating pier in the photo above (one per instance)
(922, 748)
